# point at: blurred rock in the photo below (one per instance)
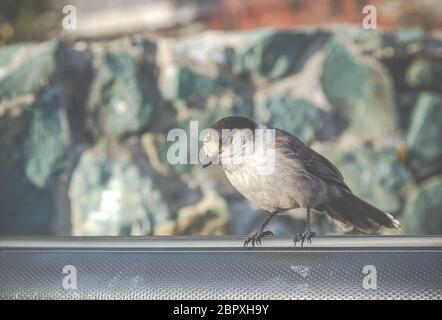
(165, 228)
(274, 55)
(409, 35)
(297, 116)
(25, 209)
(46, 143)
(209, 49)
(405, 103)
(25, 68)
(191, 69)
(208, 217)
(73, 79)
(178, 190)
(123, 96)
(366, 40)
(374, 175)
(118, 99)
(109, 196)
(422, 214)
(360, 91)
(425, 74)
(157, 149)
(35, 135)
(245, 219)
(424, 136)
(181, 85)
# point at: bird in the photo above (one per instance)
(281, 173)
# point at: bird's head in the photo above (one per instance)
(221, 135)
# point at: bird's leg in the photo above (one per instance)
(256, 238)
(307, 234)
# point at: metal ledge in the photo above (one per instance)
(323, 242)
(220, 268)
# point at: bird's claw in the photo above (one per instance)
(256, 238)
(304, 236)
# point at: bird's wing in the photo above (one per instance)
(314, 162)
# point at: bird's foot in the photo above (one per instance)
(304, 236)
(256, 238)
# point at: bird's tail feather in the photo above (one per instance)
(353, 211)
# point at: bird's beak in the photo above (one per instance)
(207, 161)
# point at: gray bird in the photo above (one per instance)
(281, 173)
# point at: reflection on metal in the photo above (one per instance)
(220, 268)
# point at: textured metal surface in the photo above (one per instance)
(216, 272)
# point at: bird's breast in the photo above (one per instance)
(269, 184)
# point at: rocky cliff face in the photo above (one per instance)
(83, 127)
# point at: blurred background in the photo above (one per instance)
(89, 90)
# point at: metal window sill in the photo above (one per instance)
(331, 267)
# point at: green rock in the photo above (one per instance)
(35, 134)
(7, 53)
(422, 214)
(25, 68)
(46, 143)
(360, 91)
(296, 116)
(120, 97)
(34, 137)
(424, 136)
(375, 176)
(184, 85)
(110, 196)
(25, 209)
(366, 39)
(409, 35)
(425, 74)
(275, 54)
